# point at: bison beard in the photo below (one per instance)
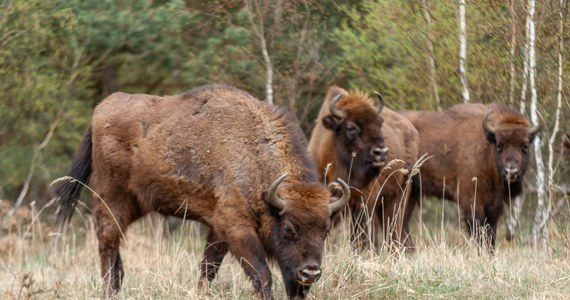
(216, 155)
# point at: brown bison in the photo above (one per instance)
(216, 155)
(354, 139)
(480, 154)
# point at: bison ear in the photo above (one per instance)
(531, 138)
(276, 211)
(264, 196)
(490, 137)
(330, 123)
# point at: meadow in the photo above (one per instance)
(59, 59)
(40, 261)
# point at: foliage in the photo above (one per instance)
(39, 74)
(66, 56)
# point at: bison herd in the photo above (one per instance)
(244, 169)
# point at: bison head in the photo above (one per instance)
(357, 126)
(302, 215)
(511, 134)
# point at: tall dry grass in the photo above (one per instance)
(39, 262)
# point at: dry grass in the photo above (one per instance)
(38, 262)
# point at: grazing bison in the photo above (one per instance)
(480, 154)
(354, 139)
(216, 155)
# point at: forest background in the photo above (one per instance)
(58, 59)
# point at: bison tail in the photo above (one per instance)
(67, 189)
(415, 194)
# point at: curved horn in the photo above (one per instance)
(535, 129)
(337, 113)
(340, 203)
(485, 123)
(272, 193)
(380, 104)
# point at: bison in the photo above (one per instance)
(216, 155)
(354, 139)
(479, 156)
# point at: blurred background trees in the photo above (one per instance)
(59, 58)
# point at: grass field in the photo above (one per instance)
(38, 262)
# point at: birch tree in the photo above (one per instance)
(463, 52)
(512, 51)
(515, 207)
(258, 28)
(431, 55)
(543, 205)
(562, 18)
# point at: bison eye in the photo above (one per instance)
(352, 130)
(327, 230)
(289, 231)
(499, 147)
(524, 148)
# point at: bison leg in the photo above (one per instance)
(110, 230)
(489, 235)
(482, 229)
(392, 218)
(401, 213)
(111, 264)
(405, 239)
(245, 245)
(364, 228)
(214, 253)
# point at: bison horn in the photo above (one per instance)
(380, 104)
(337, 113)
(272, 197)
(485, 123)
(340, 203)
(535, 129)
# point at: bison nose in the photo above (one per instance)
(511, 174)
(379, 151)
(379, 155)
(309, 274)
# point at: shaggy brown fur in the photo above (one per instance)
(377, 191)
(209, 155)
(480, 170)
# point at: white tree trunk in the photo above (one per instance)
(463, 52)
(431, 55)
(524, 87)
(543, 205)
(515, 209)
(512, 51)
(260, 32)
(551, 167)
(517, 203)
(268, 71)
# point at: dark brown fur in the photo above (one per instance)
(381, 192)
(208, 155)
(467, 166)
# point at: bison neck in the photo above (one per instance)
(511, 190)
(360, 173)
